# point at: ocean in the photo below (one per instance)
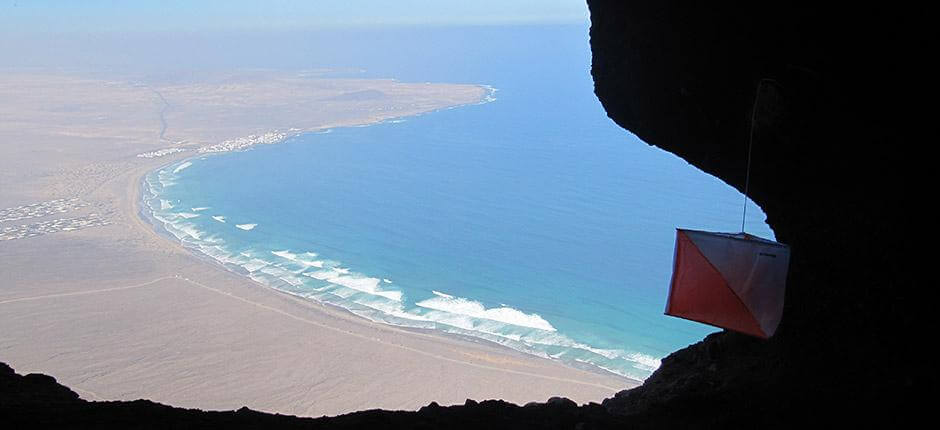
(530, 220)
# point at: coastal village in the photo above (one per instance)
(160, 153)
(237, 144)
(54, 226)
(59, 206)
(245, 142)
(42, 209)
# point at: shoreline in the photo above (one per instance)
(158, 227)
(122, 312)
(252, 140)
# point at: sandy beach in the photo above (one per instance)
(91, 294)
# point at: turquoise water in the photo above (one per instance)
(531, 220)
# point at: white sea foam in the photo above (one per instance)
(217, 252)
(284, 275)
(308, 259)
(388, 307)
(339, 276)
(541, 343)
(645, 362)
(213, 239)
(305, 259)
(285, 254)
(490, 94)
(366, 285)
(461, 306)
(190, 230)
(254, 264)
(181, 167)
(320, 274)
(374, 299)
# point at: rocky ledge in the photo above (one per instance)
(38, 401)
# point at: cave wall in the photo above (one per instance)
(829, 89)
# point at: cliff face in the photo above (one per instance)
(829, 89)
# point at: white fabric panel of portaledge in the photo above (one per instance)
(755, 269)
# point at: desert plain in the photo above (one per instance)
(93, 295)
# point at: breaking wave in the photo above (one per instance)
(307, 274)
(182, 166)
(461, 306)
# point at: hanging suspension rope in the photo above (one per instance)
(735, 281)
(750, 144)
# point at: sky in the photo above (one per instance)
(104, 16)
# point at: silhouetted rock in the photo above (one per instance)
(37, 401)
(561, 402)
(829, 87)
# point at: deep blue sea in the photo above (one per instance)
(531, 220)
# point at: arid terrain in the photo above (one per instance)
(90, 293)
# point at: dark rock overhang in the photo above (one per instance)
(829, 88)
